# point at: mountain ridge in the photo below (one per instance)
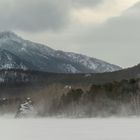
(43, 58)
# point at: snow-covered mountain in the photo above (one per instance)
(18, 53)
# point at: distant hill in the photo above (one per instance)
(15, 76)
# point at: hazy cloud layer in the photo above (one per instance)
(117, 40)
(38, 15)
(31, 15)
(86, 3)
(123, 29)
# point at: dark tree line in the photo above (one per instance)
(115, 98)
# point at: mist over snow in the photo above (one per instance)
(70, 129)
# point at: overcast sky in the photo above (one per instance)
(104, 29)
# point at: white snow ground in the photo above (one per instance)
(70, 129)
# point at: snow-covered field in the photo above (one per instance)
(70, 129)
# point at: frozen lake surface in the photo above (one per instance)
(70, 129)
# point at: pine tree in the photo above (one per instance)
(26, 109)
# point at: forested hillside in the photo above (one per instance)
(71, 94)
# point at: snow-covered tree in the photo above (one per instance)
(26, 109)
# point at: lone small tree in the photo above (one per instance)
(26, 109)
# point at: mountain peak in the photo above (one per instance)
(40, 57)
(8, 35)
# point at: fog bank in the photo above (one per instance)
(70, 129)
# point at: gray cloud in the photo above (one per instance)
(116, 41)
(119, 30)
(31, 15)
(85, 3)
(37, 15)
